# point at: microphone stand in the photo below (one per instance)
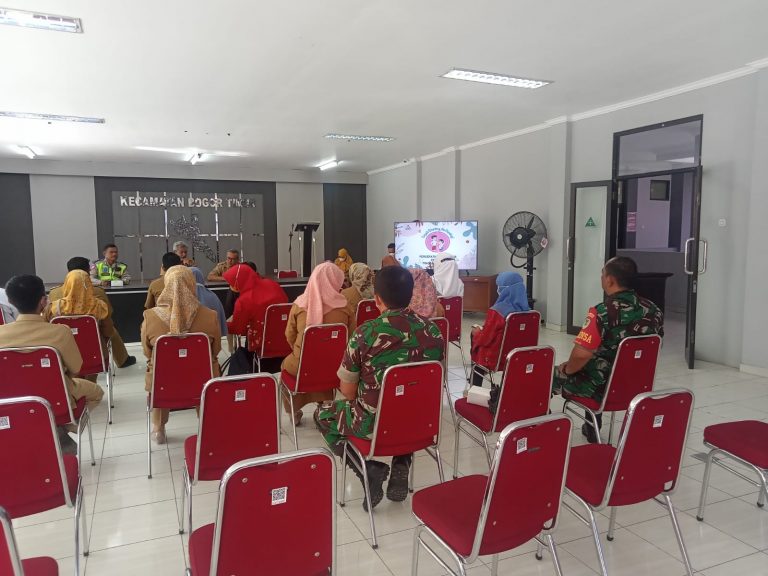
(290, 248)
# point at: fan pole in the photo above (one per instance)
(529, 276)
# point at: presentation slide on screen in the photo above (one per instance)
(417, 244)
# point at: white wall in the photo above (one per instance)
(63, 222)
(298, 203)
(652, 217)
(391, 197)
(438, 188)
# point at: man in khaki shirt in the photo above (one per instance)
(157, 286)
(217, 274)
(109, 330)
(27, 294)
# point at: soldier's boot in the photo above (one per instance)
(377, 475)
(397, 488)
(589, 431)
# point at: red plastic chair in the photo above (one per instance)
(96, 359)
(644, 465)
(272, 342)
(239, 419)
(633, 373)
(10, 562)
(181, 366)
(517, 502)
(366, 310)
(36, 476)
(287, 274)
(276, 515)
(39, 372)
(454, 312)
(745, 442)
(526, 388)
(521, 330)
(322, 350)
(442, 324)
(408, 419)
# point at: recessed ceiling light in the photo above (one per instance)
(493, 78)
(13, 17)
(50, 117)
(329, 165)
(25, 151)
(361, 138)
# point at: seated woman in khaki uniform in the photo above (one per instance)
(361, 277)
(177, 311)
(321, 303)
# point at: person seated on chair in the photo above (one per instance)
(424, 300)
(217, 274)
(27, 294)
(169, 260)
(110, 268)
(398, 336)
(622, 313)
(446, 276)
(119, 353)
(390, 259)
(321, 303)
(208, 299)
(7, 309)
(178, 311)
(361, 278)
(344, 262)
(485, 340)
(181, 249)
(254, 295)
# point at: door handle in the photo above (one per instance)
(568, 255)
(705, 256)
(687, 252)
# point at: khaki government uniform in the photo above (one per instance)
(153, 292)
(206, 321)
(31, 330)
(219, 269)
(353, 296)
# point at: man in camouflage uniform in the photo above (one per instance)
(398, 336)
(622, 313)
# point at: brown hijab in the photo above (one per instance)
(177, 305)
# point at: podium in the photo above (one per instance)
(307, 238)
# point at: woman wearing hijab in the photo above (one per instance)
(424, 300)
(177, 311)
(486, 340)
(361, 278)
(209, 299)
(321, 303)
(344, 262)
(446, 277)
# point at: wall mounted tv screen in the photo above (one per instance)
(418, 244)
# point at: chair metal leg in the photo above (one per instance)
(612, 523)
(457, 435)
(705, 485)
(342, 500)
(495, 565)
(596, 537)
(416, 549)
(596, 426)
(555, 557)
(439, 465)
(487, 450)
(411, 474)
(84, 524)
(293, 422)
(678, 535)
(448, 397)
(539, 550)
(763, 489)
(189, 503)
(149, 443)
(183, 496)
(87, 416)
(364, 471)
(610, 427)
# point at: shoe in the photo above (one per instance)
(589, 431)
(68, 446)
(397, 488)
(297, 418)
(158, 437)
(130, 361)
(377, 475)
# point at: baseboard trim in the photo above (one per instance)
(756, 370)
(555, 327)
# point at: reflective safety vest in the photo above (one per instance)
(106, 272)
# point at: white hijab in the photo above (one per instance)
(446, 276)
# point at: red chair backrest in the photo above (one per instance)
(521, 330)
(442, 324)
(651, 445)
(264, 504)
(321, 353)
(35, 372)
(239, 419)
(633, 372)
(273, 342)
(85, 329)
(181, 365)
(454, 312)
(10, 563)
(409, 409)
(525, 484)
(30, 458)
(366, 310)
(287, 274)
(526, 385)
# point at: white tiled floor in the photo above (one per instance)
(134, 520)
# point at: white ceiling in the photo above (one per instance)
(269, 78)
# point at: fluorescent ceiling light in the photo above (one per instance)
(25, 151)
(41, 21)
(187, 151)
(359, 137)
(328, 165)
(493, 78)
(50, 117)
(195, 158)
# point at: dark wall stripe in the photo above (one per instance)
(345, 220)
(17, 242)
(676, 210)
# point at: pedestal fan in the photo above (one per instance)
(525, 236)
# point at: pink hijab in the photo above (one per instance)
(424, 299)
(322, 293)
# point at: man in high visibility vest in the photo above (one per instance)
(109, 269)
